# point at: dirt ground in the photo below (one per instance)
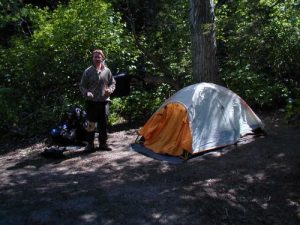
(255, 183)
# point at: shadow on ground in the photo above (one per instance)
(255, 183)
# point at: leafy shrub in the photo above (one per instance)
(9, 109)
(140, 105)
(292, 110)
(257, 89)
(259, 49)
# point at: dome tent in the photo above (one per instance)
(199, 118)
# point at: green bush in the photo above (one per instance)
(292, 110)
(259, 49)
(256, 89)
(9, 109)
(141, 103)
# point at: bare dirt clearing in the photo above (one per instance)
(257, 183)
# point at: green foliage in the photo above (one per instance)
(9, 11)
(172, 45)
(257, 89)
(292, 111)
(161, 31)
(259, 49)
(9, 108)
(140, 105)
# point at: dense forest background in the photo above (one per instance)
(46, 45)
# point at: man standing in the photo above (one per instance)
(97, 84)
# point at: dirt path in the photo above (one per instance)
(257, 183)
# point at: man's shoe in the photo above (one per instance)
(104, 148)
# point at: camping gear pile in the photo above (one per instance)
(196, 119)
(71, 130)
(70, 133)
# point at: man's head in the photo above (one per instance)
(98, 56)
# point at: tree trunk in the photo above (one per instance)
(204, 65)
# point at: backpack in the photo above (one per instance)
(71, 130)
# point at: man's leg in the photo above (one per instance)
(102, 126)
(91, 110)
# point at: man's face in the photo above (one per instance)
(97, 58)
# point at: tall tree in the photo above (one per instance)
(204, 64)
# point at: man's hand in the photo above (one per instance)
(89, 94)
(107, 92)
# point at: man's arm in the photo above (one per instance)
(83, 86)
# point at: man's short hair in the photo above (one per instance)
(99, 51)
